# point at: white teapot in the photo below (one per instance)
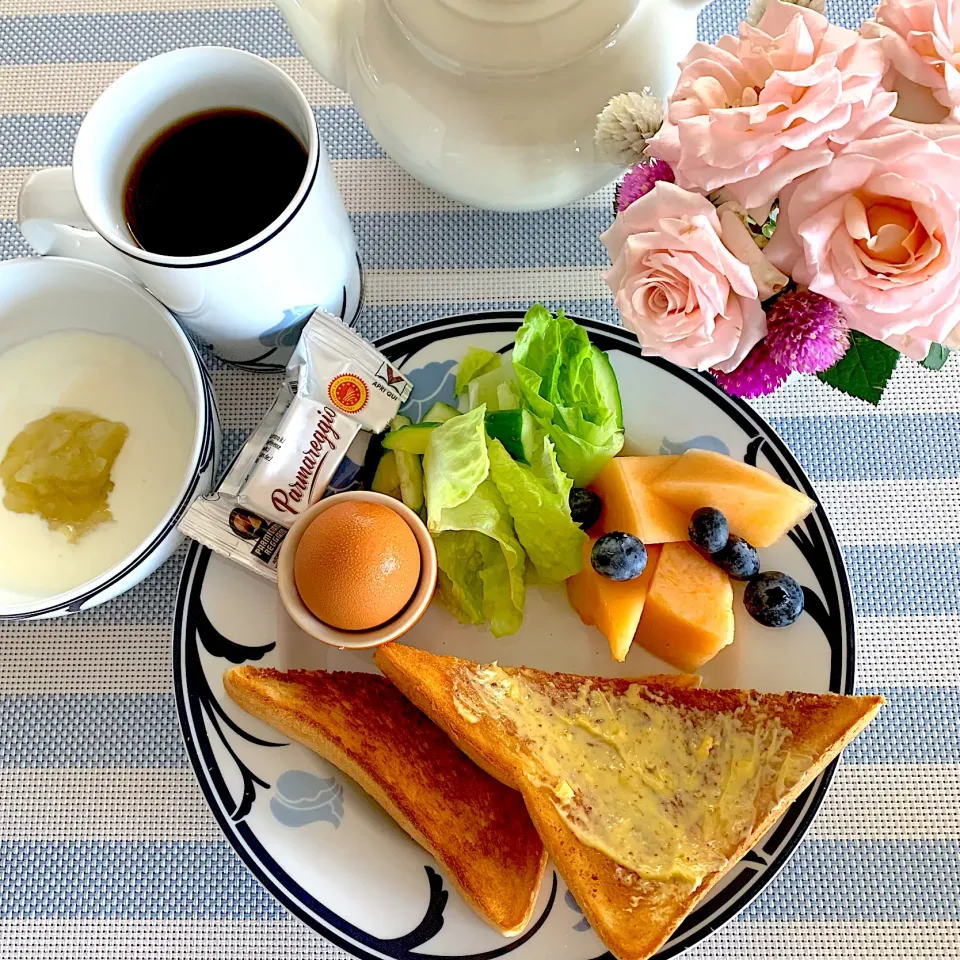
(494, 102)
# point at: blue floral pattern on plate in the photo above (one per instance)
(583, 923)
(346, 478)
(704, 442)
(432, 384)
(303, 798)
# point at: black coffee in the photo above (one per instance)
(211, 181)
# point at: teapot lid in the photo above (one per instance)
(509, 36)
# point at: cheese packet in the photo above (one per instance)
(337, 391)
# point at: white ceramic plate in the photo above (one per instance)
(326, 851)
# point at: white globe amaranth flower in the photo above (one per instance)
(757, 8)
(625, 125)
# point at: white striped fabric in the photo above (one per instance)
(107, 849)
(288, 939)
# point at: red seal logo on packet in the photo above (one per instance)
(348, 393)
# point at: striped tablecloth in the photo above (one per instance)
(106, 847)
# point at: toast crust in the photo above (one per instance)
(475, 828)
(634, 917)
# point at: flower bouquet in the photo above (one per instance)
(795, 207)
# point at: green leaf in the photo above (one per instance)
(482, 561)
(486, 388)
(936, 356)
(476, 363)
(455, 464)
(570, 387)
(863, 371)
(460, 561)
(538, 498)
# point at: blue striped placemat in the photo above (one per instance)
(106, 847)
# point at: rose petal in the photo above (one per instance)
(676, 285)
(754, 112)
(877, 231)
(920, 40)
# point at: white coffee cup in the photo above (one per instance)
(247, 302)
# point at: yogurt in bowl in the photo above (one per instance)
(78, 337)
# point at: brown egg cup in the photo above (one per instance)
(375, 636)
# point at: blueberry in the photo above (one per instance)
(774, 599)
(737, 559)
(585, 507)
(708, 529)
(619, 556)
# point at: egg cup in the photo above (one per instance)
(375, 636)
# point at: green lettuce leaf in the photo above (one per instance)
(503, 587)
(455, 463)
(538, 498)
(477, 362)
(482, 561)
(569, 385)
(486, 388)
(460, 561)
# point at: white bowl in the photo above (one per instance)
(40, 296)
(375, 636)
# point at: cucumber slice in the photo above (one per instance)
(507, 398)
(410, 472)
(386, 479)
(410, 439)
(515, 429)
(440, 412)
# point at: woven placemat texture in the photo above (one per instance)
(106, 847)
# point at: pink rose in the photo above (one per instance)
(677, 286)
(922, 40)
(878, 231)
(754, 113)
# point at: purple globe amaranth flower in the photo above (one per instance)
(640, 180)
(757, 375)
(806, 332)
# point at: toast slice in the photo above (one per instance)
(429, 681)
(698, 775)
(475, 828)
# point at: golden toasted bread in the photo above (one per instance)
(476, 829)
(428, 681)
(633, 911)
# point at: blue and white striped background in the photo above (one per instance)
(106, 847)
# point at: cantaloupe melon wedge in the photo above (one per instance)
(759, 507)
(613, 608)
(688, 613)
(631, 506)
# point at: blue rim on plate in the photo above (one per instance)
(199, 712)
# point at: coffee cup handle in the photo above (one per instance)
(51, 219)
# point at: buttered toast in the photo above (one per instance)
(645, 792)
(477, 829)
(429, 681)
